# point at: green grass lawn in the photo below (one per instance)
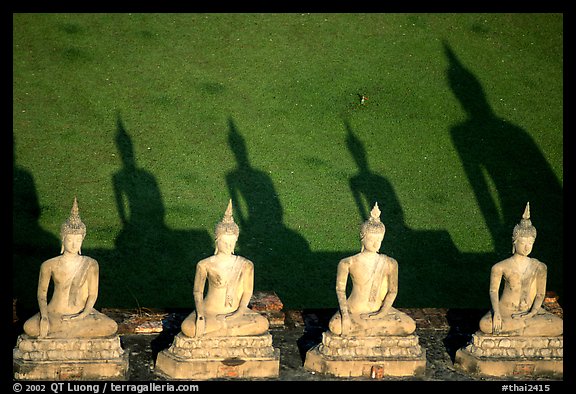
(155, 120)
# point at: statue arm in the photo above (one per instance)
(93, 279)
(541, 277)
(392, 288)
(199, 283)
(495, 280)
(341, 281)
(43, 283)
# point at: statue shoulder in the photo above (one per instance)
(245, 262)
(540, 266)
(501, 265)
(202, 263)
(346, 261)
(91, 261)
(390, 260)
(48, 264)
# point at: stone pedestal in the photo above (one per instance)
(489, 355)
(69, 359)
(219, 357)
(374, 357)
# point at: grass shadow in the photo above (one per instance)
(506, 169)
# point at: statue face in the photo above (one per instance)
(226, 243)
(372, 241)
(523, 245)
(72, 243)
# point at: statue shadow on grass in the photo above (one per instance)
(506, 169)
(153, 265)
(282, 258)
(31, 244)
(428, 260)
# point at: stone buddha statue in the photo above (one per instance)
(518, 311)
(368, 310)
(224, 310)
(367, 336)
(70, 312)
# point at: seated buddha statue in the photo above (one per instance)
(518, 309)
(224, 311)
(70, 312)
(368, 310)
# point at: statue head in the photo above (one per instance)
(372, 227)
(226, 227)
(524, 229)
(73, 225)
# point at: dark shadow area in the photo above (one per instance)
(315, 323)
(506, 169)
(463, 323)
(31, 244)
(427, 260)
(151, 264)
(170, 328)
(282, 259)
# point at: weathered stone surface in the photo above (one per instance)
(219, 357)
(491, 355)
(374, 357)
(367, 336)
(68, 338)
(65, 359)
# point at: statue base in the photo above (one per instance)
(373, 357)
(501, 356)
(69, 359)
(219, 357)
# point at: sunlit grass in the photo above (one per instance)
(289, 83)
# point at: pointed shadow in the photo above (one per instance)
(281, 256)
(506, 169)
(368, 187)
(153, 264)
(31, 244)
(427, 260)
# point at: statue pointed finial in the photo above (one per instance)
(228, 218)
(74, 211)
(227, 225)
(525, 227)
(526, 214)
(375, 213)
(73, 224)
(373, 224)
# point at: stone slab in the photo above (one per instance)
(508, 367)
(373, 357)
(171, 366)
(69, 359)
(219, 357)
(505, 356)
(371, 367)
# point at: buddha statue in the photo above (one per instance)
(518, 311)
(224, 310)
(70, 312)
(368, 310)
